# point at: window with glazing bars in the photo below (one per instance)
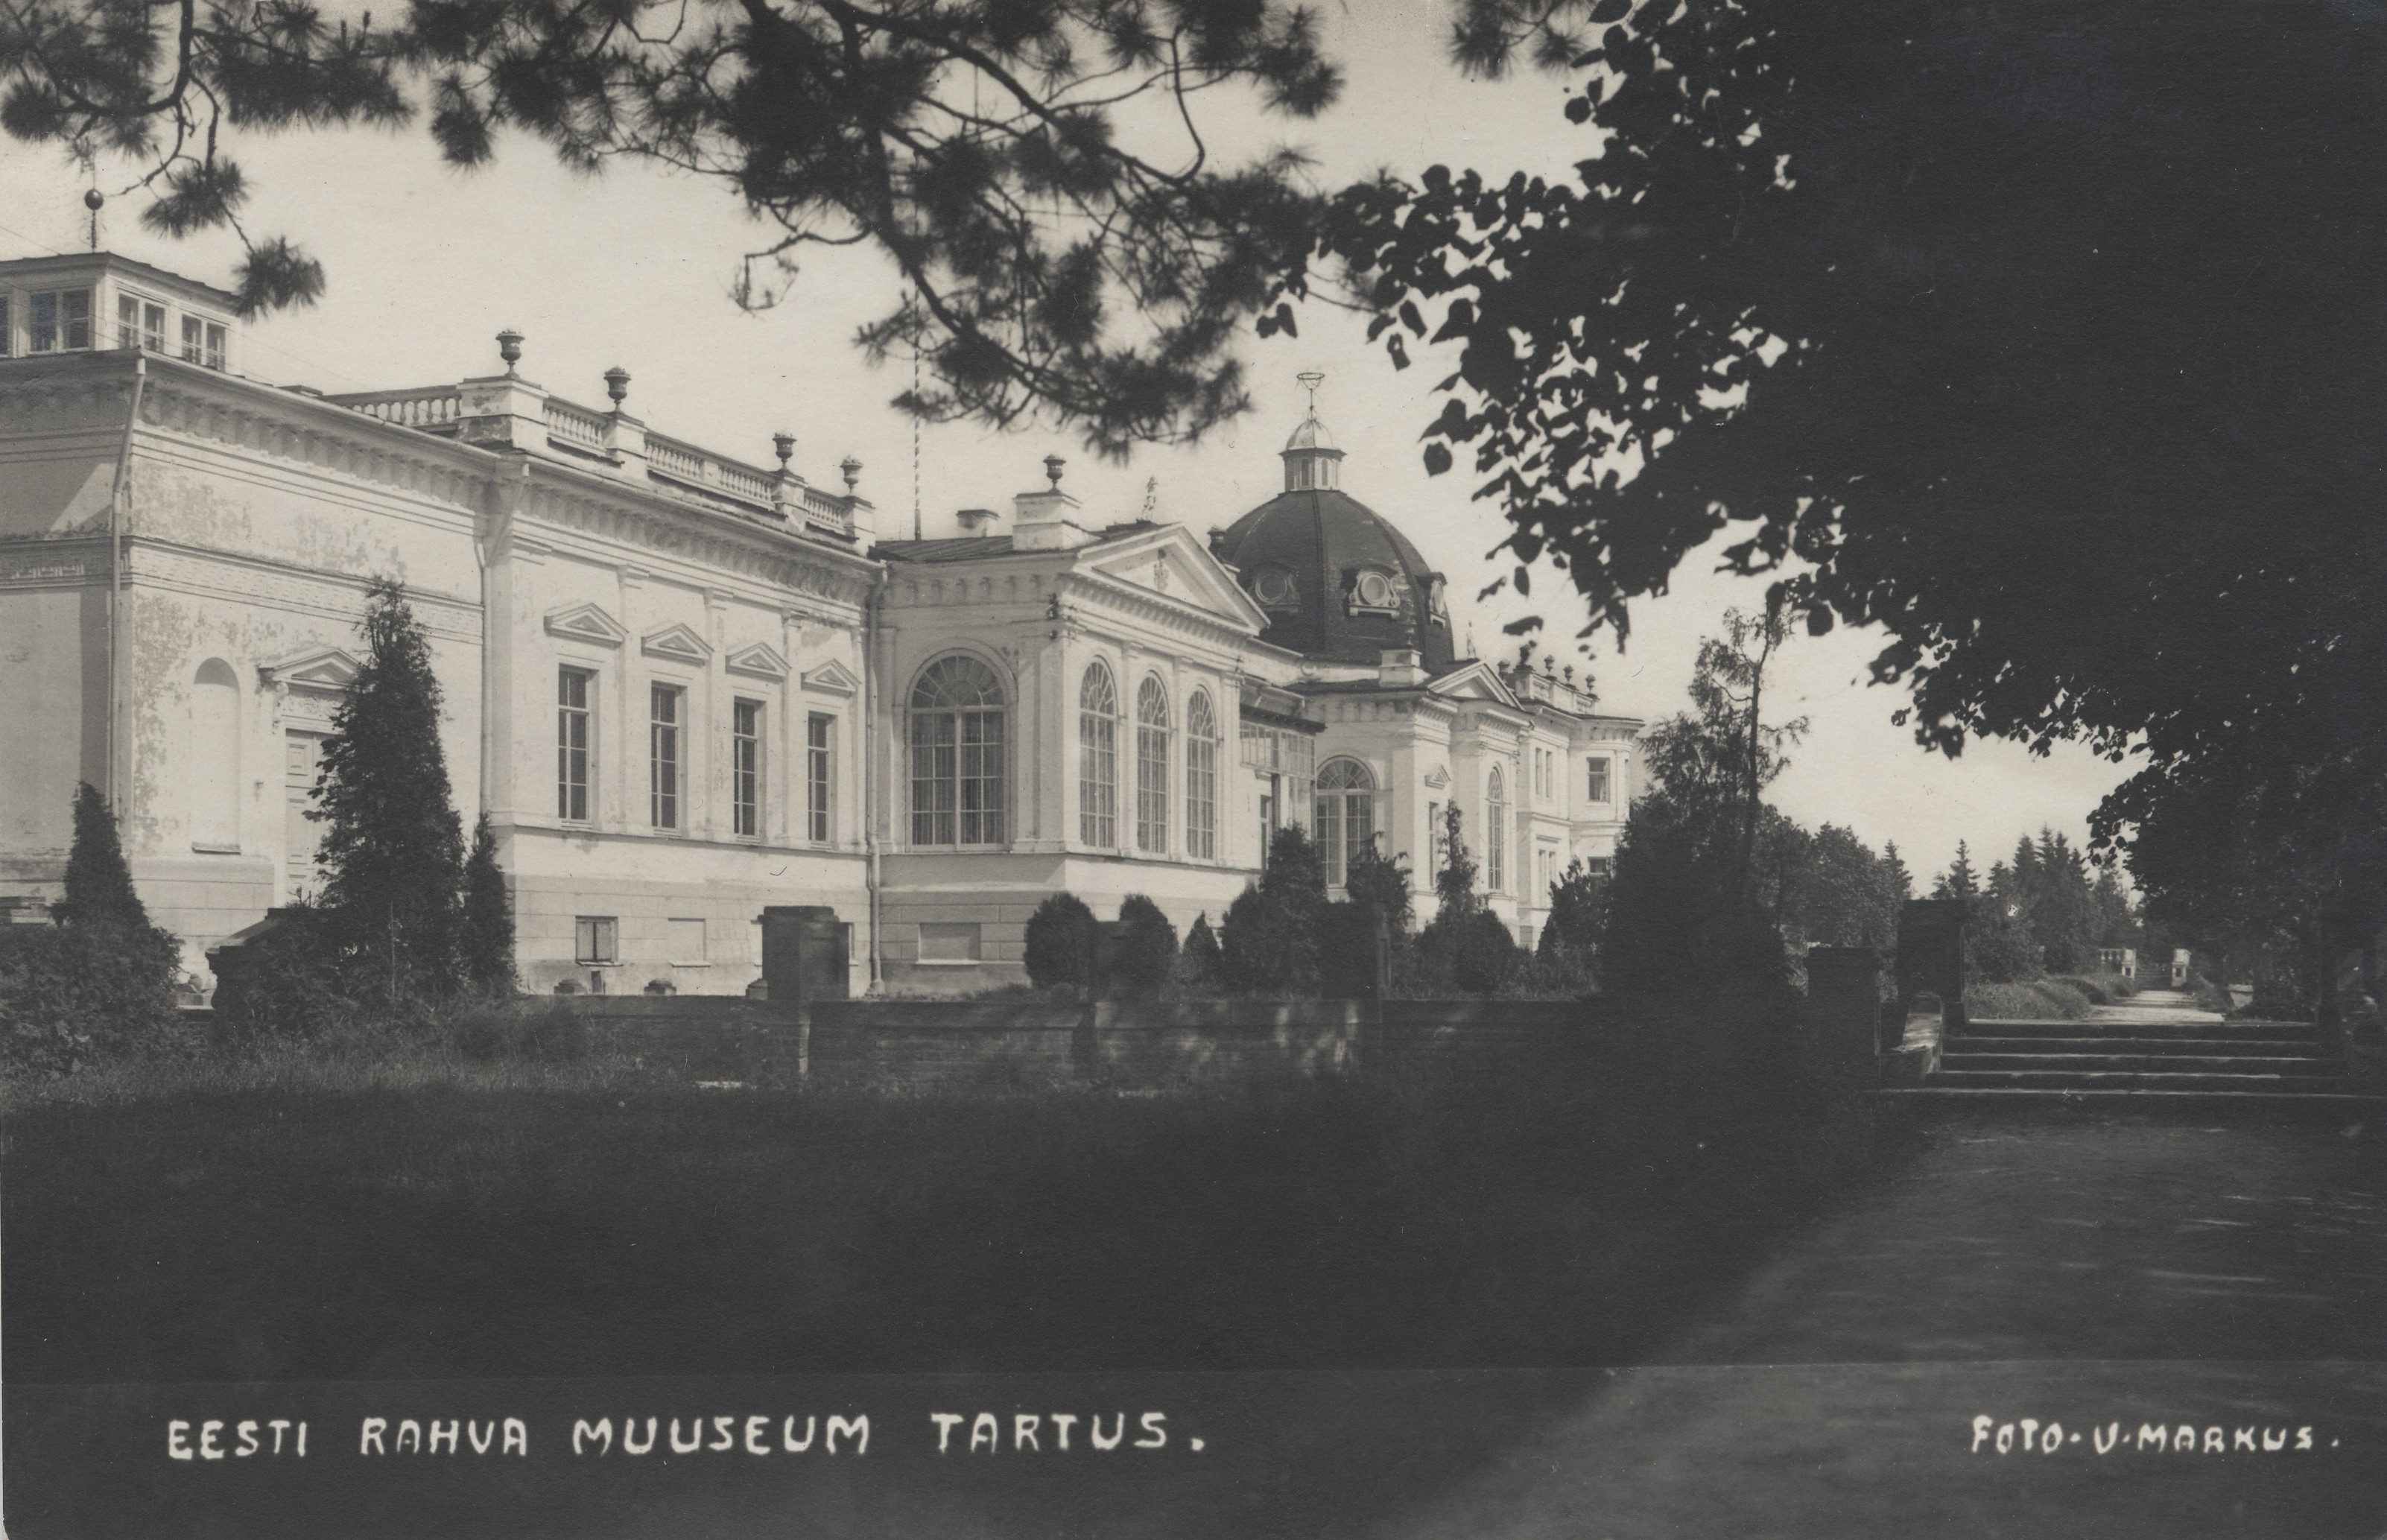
(746, 768)
(1152, 767)
(61, 321)
(572, 744)
(1097, 759)
(140, 323)
(819, 764)
(1201, 777)
(958, 748)
(662, 755)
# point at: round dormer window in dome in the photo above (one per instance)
(1273, 587)
(1373, 593)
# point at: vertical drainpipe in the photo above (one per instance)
(869, 779)
(116, 496)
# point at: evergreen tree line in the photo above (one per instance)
(2045, 910)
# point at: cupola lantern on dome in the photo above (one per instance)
(1311, 461)
(1339, 583)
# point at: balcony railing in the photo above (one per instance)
(431, 408)
(684, 462)
(575, 425)
(827, 513)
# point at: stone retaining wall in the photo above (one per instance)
(936, 1046)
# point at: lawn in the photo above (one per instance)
(565, 1220)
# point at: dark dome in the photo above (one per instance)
(1339, 582)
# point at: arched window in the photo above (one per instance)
(1347, 815)
(1097, 759)
(215, 757)
(1496, 832)
(1201, 777)
(1152, 766)
(959, 771)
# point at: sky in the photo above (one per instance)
(427, 264)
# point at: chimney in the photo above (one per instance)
(1047, 520)
(977, 521)
(1400, 668)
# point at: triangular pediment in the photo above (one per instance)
(328, 668)
(678, 642)
(761, 660)
(1472, 681)
(832, 678)
(587, 623)
(1170, 563)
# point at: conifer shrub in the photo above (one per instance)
(1269, 939)
(1146, 951)
(1199, 965)
(1266, 948)
(1060, 943)
(487, 942)
(100, 983)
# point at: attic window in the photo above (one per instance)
(1373, 593)
(1273, 587)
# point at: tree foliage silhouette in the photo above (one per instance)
(393, 851)
(1034, 170)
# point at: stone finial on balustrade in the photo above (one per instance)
(509, 347)
(785, 443)
(617, 385)
(852, 469)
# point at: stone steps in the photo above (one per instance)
(2132, 1079)
(2330, 1108)
(2112, 1060)
(1969, 1058)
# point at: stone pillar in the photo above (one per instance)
(1842, 1036)
(806, 951)
(1931, 958)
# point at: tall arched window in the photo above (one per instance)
(959, 769)
(1496, 832)
(215, 757)
(1347, 815)
(1097, 758)
(1152, 766)
(1201, 777)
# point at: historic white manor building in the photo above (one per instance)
(684, 686)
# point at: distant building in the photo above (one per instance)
(685, 686)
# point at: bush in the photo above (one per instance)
(2035, 1000)
(1268, 945)
(1199, 965)
(73, 996)
(287, 980)
(1061, 939)
(1380, 884)
(1269, 939)
(1145, 951)
(99, 983)
(520, 1034)
(1483, 953)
